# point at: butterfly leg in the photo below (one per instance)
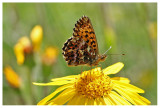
(101, 67)
(81, 69)
(91, 70)
(90, 73)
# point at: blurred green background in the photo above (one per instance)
(130, 28)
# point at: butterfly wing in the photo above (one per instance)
(73, 51)
(84, 29)
(82, 47)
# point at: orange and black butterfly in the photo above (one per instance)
(82, 48)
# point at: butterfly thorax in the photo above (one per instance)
(100, 58)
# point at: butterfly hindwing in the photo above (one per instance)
(77, 52)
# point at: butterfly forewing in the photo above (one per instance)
(84, 29)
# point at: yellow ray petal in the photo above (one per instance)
(133, 97)
(74, 100)
(89, 101)
(119, 98)
(49, 103)
(145, 100)
(137, 98)
(71, 77)
(102, 100)
(111, 96)
(95, 102)
(82, 100)
(86, 101)
(98, 101)
(107, 101)
(113, 69)
(43, 101)
(121, 79)
(139, 102)
(77, 100)
(53, 83)
(128, 87)
(111, 100)
(123, 93)
(63, 97)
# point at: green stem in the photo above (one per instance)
(46, 70)
(30, 63)
(18, 91)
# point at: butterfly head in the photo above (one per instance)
(102, 57)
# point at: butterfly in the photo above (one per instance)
(82, 48)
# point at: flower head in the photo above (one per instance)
(36, 37)
(12, 77)
(50, 55)
(95, 87)
(22, 47)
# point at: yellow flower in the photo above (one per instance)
(94, 87)
(152, 28)
(21, 48)
(36, 37)
(12, 77)
(50, 55)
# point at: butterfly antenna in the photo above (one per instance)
(116, 54)
(108, 50)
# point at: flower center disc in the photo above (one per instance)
(93, 84)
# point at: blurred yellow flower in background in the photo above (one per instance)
(24, 45)
(152, 27)
(94, 87)
(36, 37)
(21, 48)
(12, 77)
(50, 55)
